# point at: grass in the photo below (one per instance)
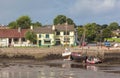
(113, 39)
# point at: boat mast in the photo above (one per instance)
(83, 39)
(66, 32)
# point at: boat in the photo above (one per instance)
(77, 56)
(66, 54)
(93, 60)
(80, 55)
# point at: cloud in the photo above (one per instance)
(93, 6)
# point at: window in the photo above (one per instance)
(66, 33)
(16, 39)
(66, 39)
(39, 35)
(57, 33)
(47, 42)
(23, 39)
(47, 35)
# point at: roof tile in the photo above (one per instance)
(12, 33)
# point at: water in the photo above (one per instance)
(56, 69)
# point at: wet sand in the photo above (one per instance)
(53, 66)
(56, 69)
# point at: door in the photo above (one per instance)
(39, 42)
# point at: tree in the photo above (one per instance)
(13, 25)
(24, 22)
(104, 26)
(70, 21)
(80, 31)
(113, 26)
(61, 19)
(91, 31)
(106, 33)
(36, 24)
(31, 36)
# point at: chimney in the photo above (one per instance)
(31, 27)
(66, 23)
(19, 29)
(53, 27)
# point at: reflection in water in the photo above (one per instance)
(39, 74)
(8, 74)
(49, 70)
(88, 67)
(94, 68)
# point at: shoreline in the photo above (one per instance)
(108, 55)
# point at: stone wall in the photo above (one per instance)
(43, 52)
(35, 52)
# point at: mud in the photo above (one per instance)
(113, 58)
(55, 69)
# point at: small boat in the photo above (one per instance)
(66, 54)
(77, 56)
(93, 60)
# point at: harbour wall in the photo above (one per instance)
(55, 52)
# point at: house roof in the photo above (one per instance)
(12, 33)
(64, 27)
(44, 29)
(48, 29)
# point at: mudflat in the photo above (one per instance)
(55, 69)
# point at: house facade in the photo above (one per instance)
(12, 37)
(116, 33)
(64, 35)
(55, 35)
(45, 36)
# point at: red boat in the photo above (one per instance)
(77, 56)
(93, 60)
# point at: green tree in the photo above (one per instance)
(31, 36)
(70, 21)
(13, 25)
(61, 19)
(91, 31)
(104, 26)
(113, 26)
(80, 31)
(24, 22)
(106, 33)
(36, 24)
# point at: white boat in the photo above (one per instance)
(66, 54)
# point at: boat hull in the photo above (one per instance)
(78, 57)
(66, 55)
(93, 60)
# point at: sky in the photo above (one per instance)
(44, 11)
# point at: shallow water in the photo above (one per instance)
(57, 69)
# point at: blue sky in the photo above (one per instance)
(44, 11)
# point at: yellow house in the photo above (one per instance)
(55, 35)
(45, 36)
(64, 34)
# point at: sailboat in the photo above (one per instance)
(79, 56)
(67, 53)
